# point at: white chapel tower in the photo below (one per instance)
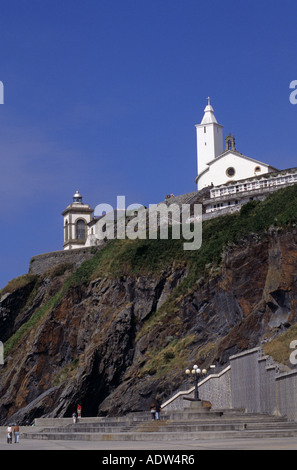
(218, 165)
(209, 139)
(76, 218)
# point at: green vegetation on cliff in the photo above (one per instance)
(18, 283)
(137, 257)
(134, 257)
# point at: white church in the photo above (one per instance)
(217, 165)
(226, 179)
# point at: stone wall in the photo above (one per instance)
(177, 401)
(259, 385)
(286, 395)
(217, 389)
(39, 264)
(253, 382)
(245, 381)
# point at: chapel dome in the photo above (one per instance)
(77, 197)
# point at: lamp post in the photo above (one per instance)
(195, 373)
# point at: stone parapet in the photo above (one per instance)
(39, 264)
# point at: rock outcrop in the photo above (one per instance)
(114, 341)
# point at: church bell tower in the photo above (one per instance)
(76, 217)
(209, 139)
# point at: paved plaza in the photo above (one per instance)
(182, 432)
(193, 445)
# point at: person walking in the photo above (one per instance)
(16, 432)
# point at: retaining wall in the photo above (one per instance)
(252, 381)
(39, 264)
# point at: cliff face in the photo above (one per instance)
(115, 342)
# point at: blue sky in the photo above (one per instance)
(103, 96)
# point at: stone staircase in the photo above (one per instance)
(193, 423)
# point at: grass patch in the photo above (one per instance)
(59, 270)
(66, 373)
(171, 357)
(279, 348)
(12, 342)
(18, 283)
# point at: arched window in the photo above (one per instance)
(66, 231)
(80, 230)
(230, 142)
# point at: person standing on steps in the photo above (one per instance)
(78, 412)
(153, 411)
(158, 410)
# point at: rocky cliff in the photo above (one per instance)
(121, 329)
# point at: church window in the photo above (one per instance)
(257, 168)
(80, 230)
(230, 172)
(66, 231)
(204, 129)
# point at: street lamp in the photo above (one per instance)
(195, 373)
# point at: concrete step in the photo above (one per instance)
(196, 416)
(145, 436)
(192, 424)
(260, 421)
(112, 425)
(167, 431)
